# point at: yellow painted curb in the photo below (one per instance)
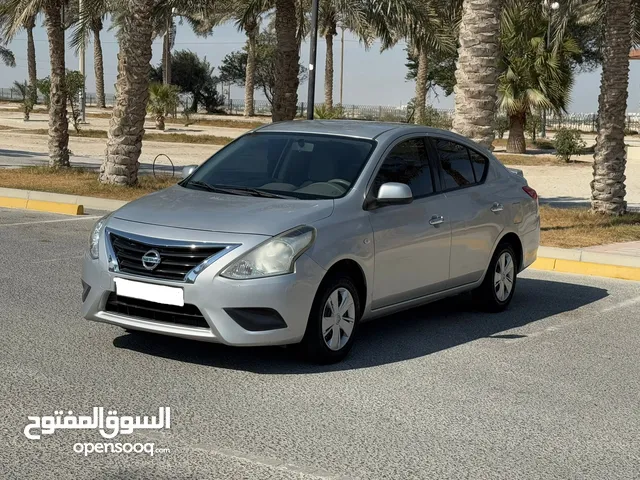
(42, 206)
(586, 268)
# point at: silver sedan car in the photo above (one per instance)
(297, 232)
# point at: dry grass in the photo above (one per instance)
(578, 227)
(512, 159)
(79, 182)
(154, 137)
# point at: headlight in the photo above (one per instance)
(94, 240)
(277, 256)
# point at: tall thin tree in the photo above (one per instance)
(608, 187)
(477, 70)
(287, 62)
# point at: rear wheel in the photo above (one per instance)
(499, 285)
(333, 321)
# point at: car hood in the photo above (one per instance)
(200, 210)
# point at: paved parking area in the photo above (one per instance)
(548, 389)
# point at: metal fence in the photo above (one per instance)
(585, 122)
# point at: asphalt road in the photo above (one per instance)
(548, 389)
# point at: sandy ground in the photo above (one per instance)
(40, 120)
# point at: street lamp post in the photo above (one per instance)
(82, 55)
(551, 7)
(311, 95)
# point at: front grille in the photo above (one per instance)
(188, 315)
(175, 262)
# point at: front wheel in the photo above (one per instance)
(333, 321)
(499, 285)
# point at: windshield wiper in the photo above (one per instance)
(236, 190)
(256, 192)
(211, 188)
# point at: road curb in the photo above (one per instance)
(42, 206)
(55, 202)
(584, 262)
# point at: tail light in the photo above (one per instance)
(531, 192)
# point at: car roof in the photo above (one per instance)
(346, 128)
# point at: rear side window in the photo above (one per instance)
(456, 164)
(461, 166)
(480, 165)
(407, 163)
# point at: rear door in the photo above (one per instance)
(476, 209)
(412, 241)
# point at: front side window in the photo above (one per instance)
(289, 165)
(407, 163)
(456, 164)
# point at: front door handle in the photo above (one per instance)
(497, 207)
(436, 220)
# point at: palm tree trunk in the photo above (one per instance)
(477, 70)
(421, 86)
(31, 59)
(516, 142)
(98, 64)
(249, 83)
(287, 62)
(58, 123)
(607, 188)
(126, 128)
(328, 71)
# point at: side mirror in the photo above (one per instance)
(394, 194)
(188, 170)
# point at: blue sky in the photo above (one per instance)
(371, 77)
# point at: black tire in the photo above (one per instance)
(313, 346)
(486, 296)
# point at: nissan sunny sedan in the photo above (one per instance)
(297, 232)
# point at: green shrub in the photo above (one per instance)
(44, 85)
(502, 125)
(434, 118)
(534, 125)
(568, 143)
(324, 113)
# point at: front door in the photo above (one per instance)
(412, 242)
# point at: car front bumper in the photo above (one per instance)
(291, 296)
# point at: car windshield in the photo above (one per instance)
(284, 165)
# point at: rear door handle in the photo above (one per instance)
(497, 207)
(436, 220)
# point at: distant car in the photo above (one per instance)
(296, 232)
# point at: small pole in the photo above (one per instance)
(83, 92)
(312, 59)
(342, 67)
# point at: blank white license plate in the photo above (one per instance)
(150, 292)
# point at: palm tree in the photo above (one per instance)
(17, 12)
(435, 34)
(29, 25)
(534, 76)
(247, 15)
(6, 56)
(98, 62)
(285, 97)
(126, 129)
(477, 70)
(163, 99)
(608, 188)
